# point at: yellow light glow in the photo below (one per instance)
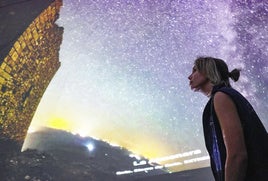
(59, 123)
(139, 144)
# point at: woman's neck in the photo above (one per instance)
(207, 89)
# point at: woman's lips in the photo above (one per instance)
(190, 83)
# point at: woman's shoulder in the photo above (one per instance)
(220, 96)
(231, 94)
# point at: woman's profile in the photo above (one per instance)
(235, 137)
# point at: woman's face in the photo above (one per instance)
(197, 80)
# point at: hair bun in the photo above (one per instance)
(234, 74)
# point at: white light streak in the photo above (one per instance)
(143, 162)
(167, 165)
(176, 156)
(193, 160)
(143, 169)
(137, 157)
(124, 172)
(158, 167)
(114, 144)
(173, 164)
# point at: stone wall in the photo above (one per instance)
(27, 70)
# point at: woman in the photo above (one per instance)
(236, 140)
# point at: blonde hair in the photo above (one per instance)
(216, 70)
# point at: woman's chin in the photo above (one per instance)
(195, 89)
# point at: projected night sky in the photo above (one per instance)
(125, 65)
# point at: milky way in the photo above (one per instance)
(125, 65)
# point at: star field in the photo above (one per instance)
(125, 66)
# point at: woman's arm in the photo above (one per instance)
(236, 160)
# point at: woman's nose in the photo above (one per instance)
(190, 76)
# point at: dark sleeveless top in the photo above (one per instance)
(256, 137)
